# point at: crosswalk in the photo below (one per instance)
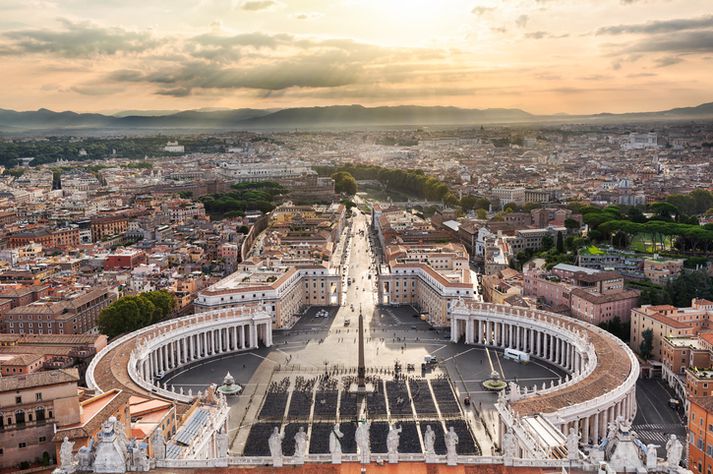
(657, 433)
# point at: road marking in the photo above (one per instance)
(436, 350)
(457, 355)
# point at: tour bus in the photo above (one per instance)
(517, 356)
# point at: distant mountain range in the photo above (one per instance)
(337, 116)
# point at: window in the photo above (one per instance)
(38, 396)
(18, 399)
(23, 445)
(42, 439)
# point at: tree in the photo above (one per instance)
(481, 213)
(647, 344)
(547, 242)
(560, 242)
(243, 229)
(571, 224)
(133, 312)
(345, 183)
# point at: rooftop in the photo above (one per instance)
(38, 379)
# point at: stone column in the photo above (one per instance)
(595, 434)
(468, 331)
(480, 332)
(253, 336)
(242, 336)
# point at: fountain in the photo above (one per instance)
(229, 386)
(495, 382)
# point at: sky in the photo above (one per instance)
(542, 56)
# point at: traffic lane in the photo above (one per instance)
(652, 403)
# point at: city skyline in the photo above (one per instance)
(542, 56)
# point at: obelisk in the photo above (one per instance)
(361, 369)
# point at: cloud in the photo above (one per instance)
(668, 61)
(482, 10)
(308, 15)
(595, 77)
(521, 21)
(76, 40)
(177, 92)
(543, 35)
(94, 89)
(655, 27)
(256, 5)
(684, 42)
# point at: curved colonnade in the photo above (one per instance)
(137, 361)
(602, 370)
(600, 385)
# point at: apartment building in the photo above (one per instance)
(666, 321)
(700, 432)
(72, 312)
(65, 237)
(590, 295)
(427, 277)
(32, 406)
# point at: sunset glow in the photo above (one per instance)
(544, 56)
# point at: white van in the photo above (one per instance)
(429, 359)
(517, 356)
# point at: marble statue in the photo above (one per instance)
(509, 445)
(572, 444)
(651, 456)
(335, 444)
(300, 446)
(674, 450)
(65, 455)
(110, 455)
(429, 441)
(362, 441)
(451, 438)
(514, 394)
(275, 444)
(85, 457)
(158, 445)
(221, 443)
(120, 431)
(138, 456)
(392, 443)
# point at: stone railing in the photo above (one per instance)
(381, 458)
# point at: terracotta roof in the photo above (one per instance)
(23, 359)
(704, 402)
(601, 298)
(666, 320)
(92, 425)
(38, 379)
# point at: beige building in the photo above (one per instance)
(659, 270)
(285, 291)
(31, 407)
(668, 321)
(427, 277)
